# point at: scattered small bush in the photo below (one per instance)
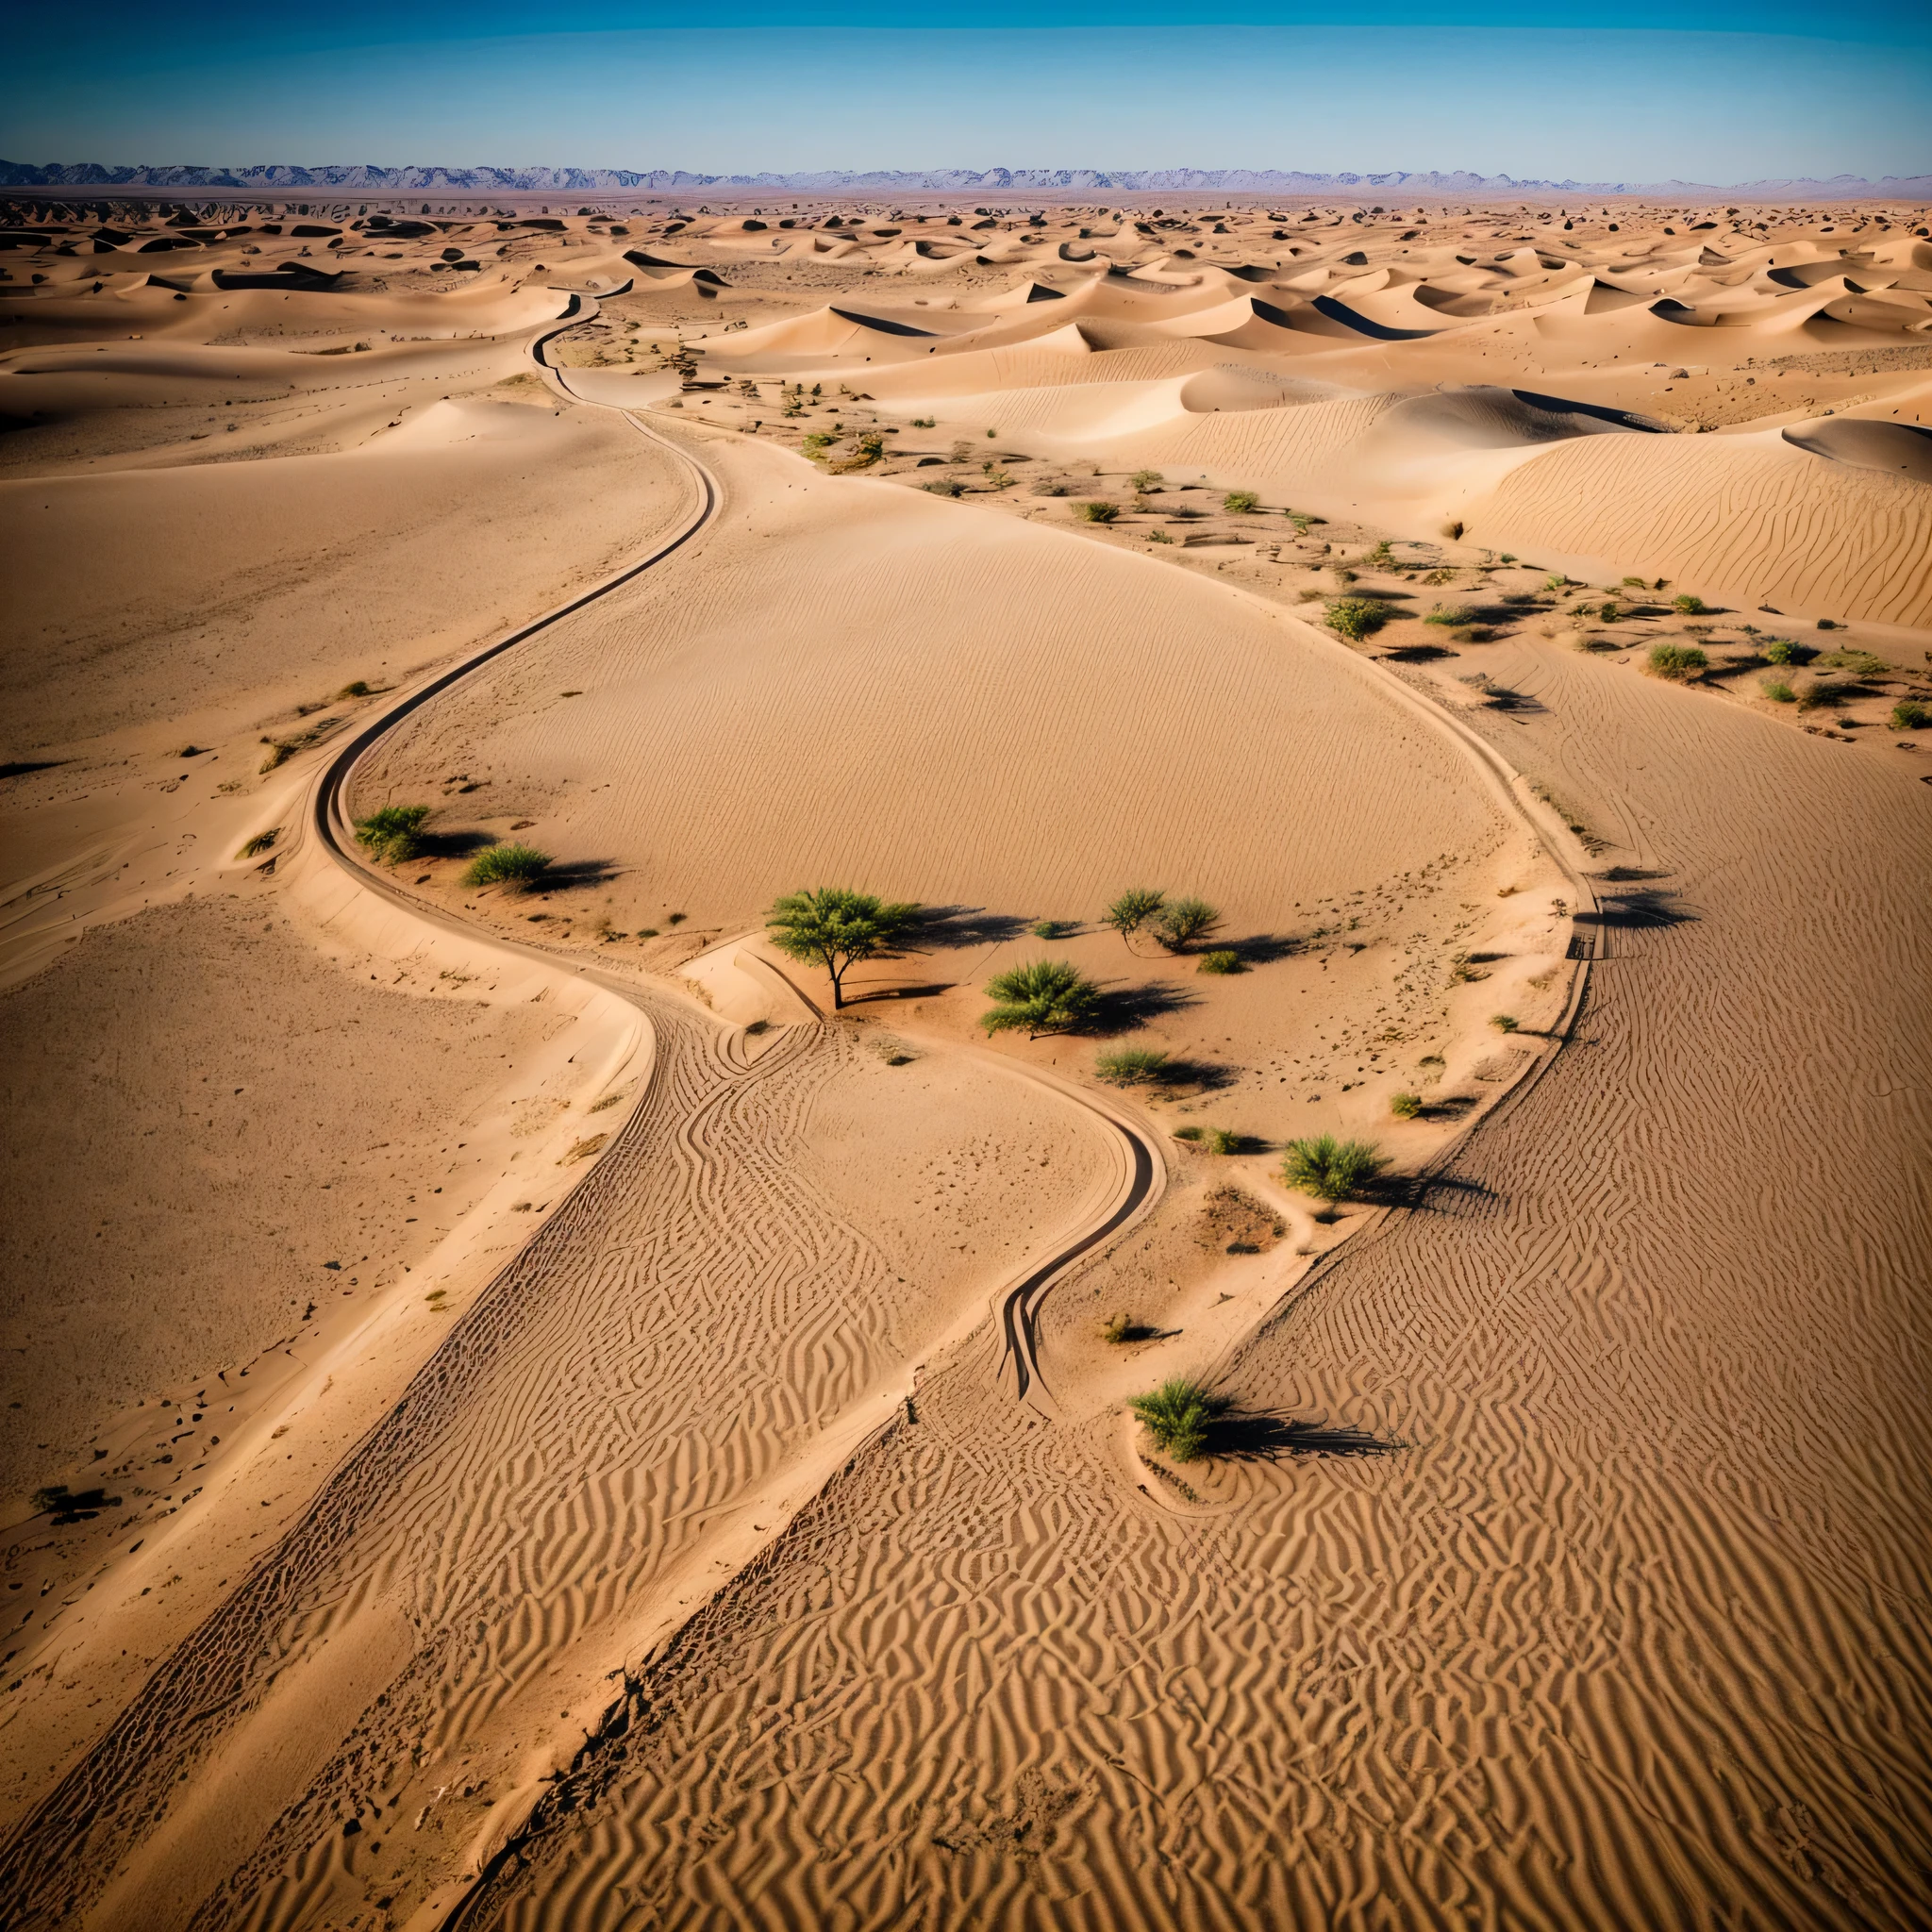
(1222, 1140)
(1819, 694)
(1406, 1106)
(1187, 1133)
(1380, 557)
(1778, 691)
(1240, 503)
(1159, 537)
(1676, 662)
(1222, 960)
(1331, 1169)
(1148, 481)
(1353, 618)
(1046, 486)
(1180, 922)
(1786, 651)
(1119, 1328)
(1044, 997)
(359, 689)
(507, 865)
(1131, 1066)
(1687, 605)
(817, 442)
(946, 486)
(1049, 929)
(1179, 1415)
(1909, 714)
(1504, 1023)
(392, 833)
(1096, 512)
(925, 423)
(1133, 910)
(261, 841)
(1451, 615)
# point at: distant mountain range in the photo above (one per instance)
(277, 178)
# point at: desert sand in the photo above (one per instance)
(527, 1415)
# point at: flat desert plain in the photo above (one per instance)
(528, 1406)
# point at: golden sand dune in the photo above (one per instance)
(708, 1492)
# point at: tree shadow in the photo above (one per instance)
(1127, 1009)
(1262, 948)
(1266, 1434)
(1637, 912)
(926, 989)
(1430, 1193)
(1415, 653)
(965, 925)
(1616, 875)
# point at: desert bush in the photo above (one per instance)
(1222, 960)
(1187, 1133)
(253, 848)
(1096, 512)
(1131, 1066)
(1044, 997)
(1331, 1169)
(1687, 605)
(868, 450)
(1148, 481)
(394, 833)
(359, 689)
(1405, 1107)
(1453, 529)
(507, 864)
(836, 927)
(1046, 486)
(1786, 651)
(1353, 618)
(1778, 691)
(1451, 615)
(1819, 693)
(1240, 503)
(1380, 557)
(1133, 910)
(1504, 1023)
(1676, 662)
(1909, 714)
(1611, 612)
(1222, 1140)
(1180, 922)
(817, 442)
(925, 423)
(945, 485)
(1050, 928)
(1179, 1415)
(1159, 537)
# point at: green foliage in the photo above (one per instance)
(1050, 928)
(1222, 960)
(1133, 910)
(1044, 997)
(1331, 1169)
(1687, 605)
(1820, 691)
(925, 423)
(1676, 662)
(1046, 486)
(1405, 1107)
(1786, 651)
(1148, 481)
(1859, 663)
(817, 442)
(1451, 614)
(1380, 557)
(1096, 512)
(1909, 714)
(1555, 581)
(837, 928)
(1612, 611)
(1187, 1133)
(1131, 1066)
(518, 866)
(254, 847)
(1778, 691)
(1222, 1140)
(1240, 503)
(868, 450)
(1504, 1023)
(1179, 1415)
(1354, 618)
(1159, 537)
(1180, 922)
(394, 833)
(359, 689)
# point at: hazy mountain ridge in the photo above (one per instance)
(277, 177)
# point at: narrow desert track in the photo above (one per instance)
(693, 1316)
(1632, 1629)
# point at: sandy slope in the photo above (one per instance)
(1625, 1630)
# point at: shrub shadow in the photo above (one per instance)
(1265, 1435)
(966, 926)
(1125, 1009)
(1637, 912)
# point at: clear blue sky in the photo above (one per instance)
(1716, 93)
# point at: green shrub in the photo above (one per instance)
(1159, 537)
(1240, 503)
(1778, 691)
(1331, 1169)
(1687, 605)
(507, 865)
(1612, 612)
(1451, 614)
(1131, 1066)
(1380, 557)
(1133, 910)
(1406, 1106)
(394, 833)
(1187, 1133)
(1909, 714)
(1222, 1140)
(255, 847)
(1046, 486)
(1044, 997)
(1504, 1023)
(1096, 512)
(1786, 651)
(1223, 959)
(1049, 929)
(1148, 481)
(1179, 1415)
(1354, 618)
(1820, 691)
(1181, 922)
(925, 423)
(1676, 662)
(817, 442)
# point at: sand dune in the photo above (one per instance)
(762, 1536)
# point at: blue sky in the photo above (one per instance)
(1638, 91)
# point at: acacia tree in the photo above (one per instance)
(836, 928)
